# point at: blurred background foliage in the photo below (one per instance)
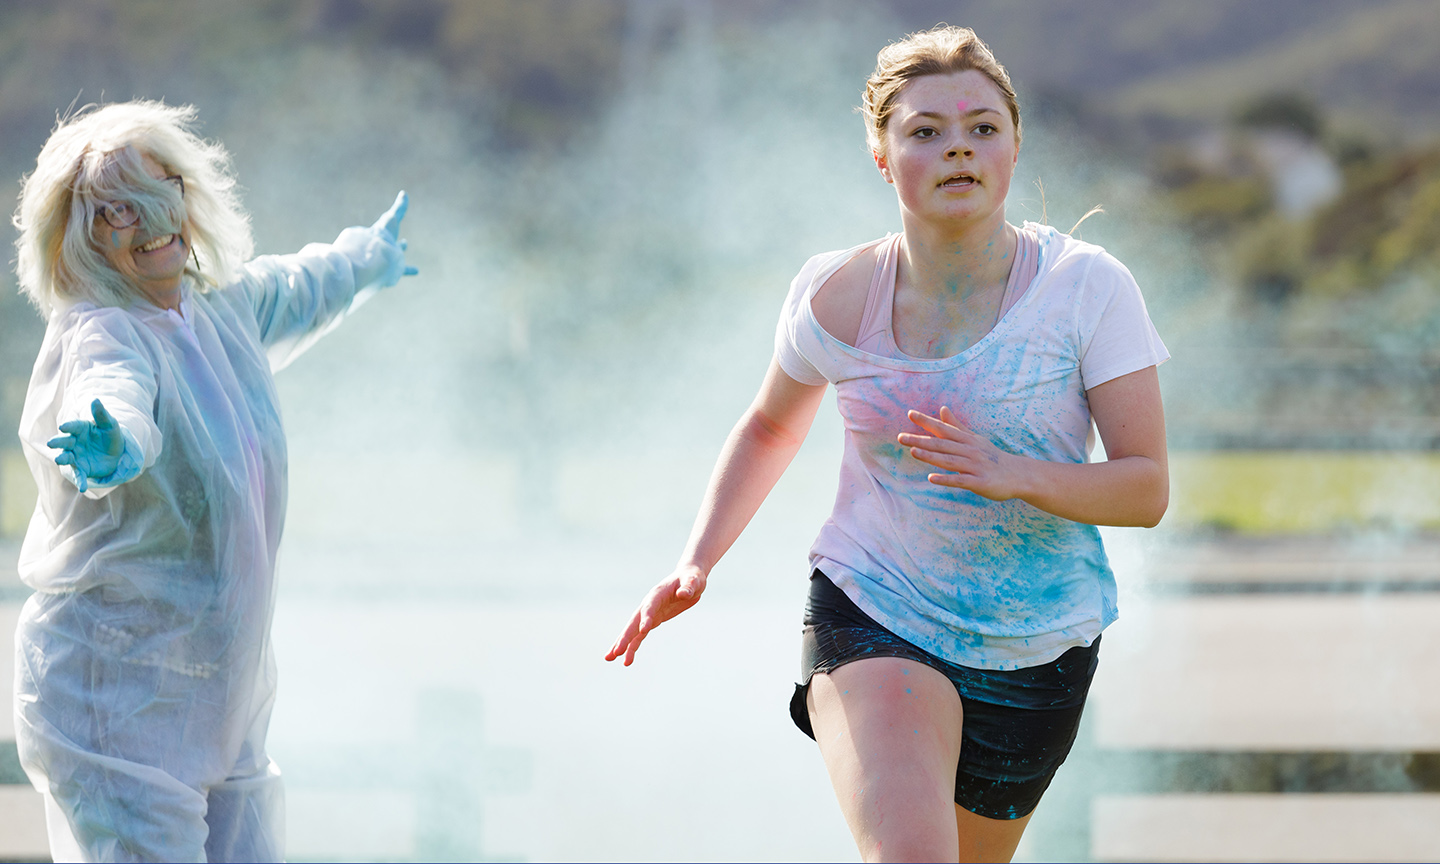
(609, 199)
(1271, 172)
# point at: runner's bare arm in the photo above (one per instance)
(756, 453)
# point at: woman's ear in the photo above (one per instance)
(880, 164)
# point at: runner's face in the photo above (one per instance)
(950, 148)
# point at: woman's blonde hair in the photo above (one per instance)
(95, 156)
(938, 51)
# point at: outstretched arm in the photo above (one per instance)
(1131, 488)
(298, 298)
(757, 452)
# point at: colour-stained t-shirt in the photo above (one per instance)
(981, 583)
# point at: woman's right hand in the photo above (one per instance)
(92, 448)
(753, 458)
(666, 600)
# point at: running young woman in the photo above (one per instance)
(959, 588)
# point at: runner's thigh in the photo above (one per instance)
(889, 731)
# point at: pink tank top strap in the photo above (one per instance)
(875, 323)
(1023, 270)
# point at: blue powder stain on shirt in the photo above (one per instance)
(1018, 571)
(892, 452)
(1054, 593)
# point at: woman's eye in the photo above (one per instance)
(986, 129)
(925, 132)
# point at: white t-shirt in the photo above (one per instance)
(980, 583)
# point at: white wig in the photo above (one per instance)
(96, 156)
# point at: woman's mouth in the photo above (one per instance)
(959, 181)
(157, 243)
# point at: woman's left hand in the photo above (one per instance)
(389, 224)
(969, 460)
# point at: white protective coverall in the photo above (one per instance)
(145, 674)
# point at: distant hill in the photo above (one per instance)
(1190, 63)
(529, 82)
(1376, 71)
(538, 60)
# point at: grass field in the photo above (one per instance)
(1304, 491)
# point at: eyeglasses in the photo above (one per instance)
(122, 214)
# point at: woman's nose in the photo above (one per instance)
(958, 148)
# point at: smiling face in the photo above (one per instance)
(154, 262)
(950, 149)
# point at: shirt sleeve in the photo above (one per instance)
(1117, 336)
(105, 361)
(793, 322)
(299, 298)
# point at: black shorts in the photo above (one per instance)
(1018, 727)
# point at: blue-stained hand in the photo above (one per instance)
(389, 223)
(94, 448)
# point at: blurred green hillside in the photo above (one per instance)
(613, 149)
(1371, 66)
(535, 64)
(1141, 81)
